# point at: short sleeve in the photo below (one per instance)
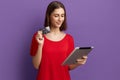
(34, 46)
(70, 44)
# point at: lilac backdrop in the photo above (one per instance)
(91, 22)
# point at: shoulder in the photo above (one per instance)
(69, 35)
(35, 34)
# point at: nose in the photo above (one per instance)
(60, 19)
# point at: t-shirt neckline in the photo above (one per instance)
(56, 41)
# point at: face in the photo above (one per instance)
(57, 17)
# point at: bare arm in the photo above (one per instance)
(79, 63)
(37, 58)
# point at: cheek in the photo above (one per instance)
(63, 19)
(53, 20)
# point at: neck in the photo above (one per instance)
(55, 30)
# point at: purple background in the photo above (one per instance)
(91, 22)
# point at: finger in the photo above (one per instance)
(38, 37)
(40, 34)
(84, 57)
(79, 60)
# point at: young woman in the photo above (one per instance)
(50, 50)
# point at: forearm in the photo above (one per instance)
(37, 58)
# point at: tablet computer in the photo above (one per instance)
(77, 53)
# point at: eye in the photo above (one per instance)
(56, 15)
(62, 15)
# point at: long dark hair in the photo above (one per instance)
(51, 7)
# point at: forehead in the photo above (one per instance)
(58, 11)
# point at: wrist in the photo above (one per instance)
(40, 45)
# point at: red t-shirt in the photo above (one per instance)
(53, 54)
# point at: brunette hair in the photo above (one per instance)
(51, 7)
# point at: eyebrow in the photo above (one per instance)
(58, 14)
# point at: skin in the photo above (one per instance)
(56, 18)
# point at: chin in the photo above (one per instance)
(58, 26)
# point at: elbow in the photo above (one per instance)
(36, 66)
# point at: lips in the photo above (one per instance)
(58, 23)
